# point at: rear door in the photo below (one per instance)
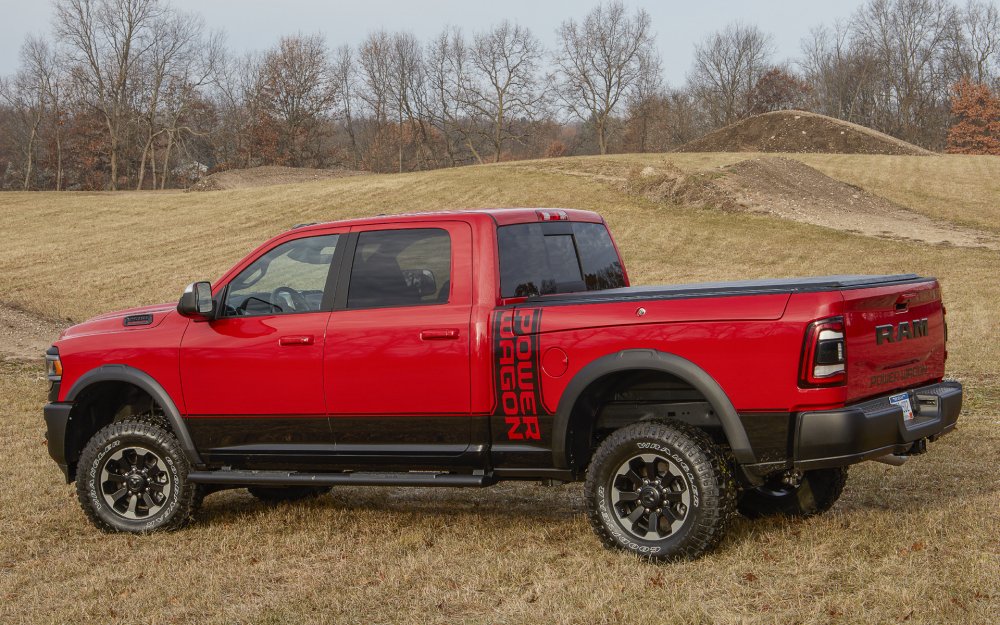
(397, 358)
(895, 338)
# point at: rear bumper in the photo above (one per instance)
(56, 419)
(875, 428)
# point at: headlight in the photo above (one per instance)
(53, 365)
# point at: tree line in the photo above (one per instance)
(135, 94)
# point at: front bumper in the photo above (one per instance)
(875, 428)
(56, 420)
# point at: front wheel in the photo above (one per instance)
(661, 491)
(813, 494)
(133, 478)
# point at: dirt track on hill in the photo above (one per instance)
(24, 335)
(790, 189)
(267, 176)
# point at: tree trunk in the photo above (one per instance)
(31, 159)
(479, 159)
(58, 159)
(142, 166)
(166, 159)
(113, 156)
(355, 153)
(400, 137)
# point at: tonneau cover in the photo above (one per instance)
(740, 287)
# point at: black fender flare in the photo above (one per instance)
(141, 379)
(649, 359)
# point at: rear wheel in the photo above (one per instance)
(814, 494)
(279, 494)
(661, 491)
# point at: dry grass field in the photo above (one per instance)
(915, 544)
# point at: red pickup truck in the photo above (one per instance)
(466, 348)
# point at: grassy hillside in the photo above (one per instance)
(76, 255)
(916, 544)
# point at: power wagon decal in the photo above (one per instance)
(517, 371)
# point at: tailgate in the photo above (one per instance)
(895, 337)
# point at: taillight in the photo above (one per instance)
(824, 355)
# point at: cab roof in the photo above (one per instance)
(500, 216)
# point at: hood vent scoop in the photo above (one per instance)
(137, 320)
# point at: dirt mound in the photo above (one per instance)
(672, 185)
(267, 176)
(798, 131)
(790, 189)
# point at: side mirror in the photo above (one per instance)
(197, 301)
(420, 280)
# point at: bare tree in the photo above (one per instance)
(447, 68)
(646, 105)
(299, 91)
(344, 78)
(105, 40)
(183, 97)
(976, 42)
(727, 65)
(406, 87)
(173, 63)
(840, 75)
(909, 38)
(503, 86)
(28, 96)
(375, 58)
(600, 60)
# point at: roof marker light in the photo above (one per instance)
(549, 215)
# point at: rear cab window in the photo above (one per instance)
(557, 257)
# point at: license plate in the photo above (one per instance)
(903, 401)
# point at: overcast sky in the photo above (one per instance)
(257, 24)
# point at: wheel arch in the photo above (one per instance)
(124, 374)
(571, 411)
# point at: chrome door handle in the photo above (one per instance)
(447, 334)
(291, 341)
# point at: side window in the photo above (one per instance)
(291, 278)
(401, 268)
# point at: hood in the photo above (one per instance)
(128, 320)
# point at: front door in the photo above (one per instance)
(397, 353)
(253, 378)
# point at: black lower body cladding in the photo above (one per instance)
(56, 419)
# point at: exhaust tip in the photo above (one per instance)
(892, 459)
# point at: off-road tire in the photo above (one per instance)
(690, 462)
(282, 494)
(154, 443)
(815, 494)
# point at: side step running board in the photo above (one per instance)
(358, 478)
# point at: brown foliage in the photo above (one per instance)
(976, 129)
(778, 90)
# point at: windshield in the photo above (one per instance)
(557, 257)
